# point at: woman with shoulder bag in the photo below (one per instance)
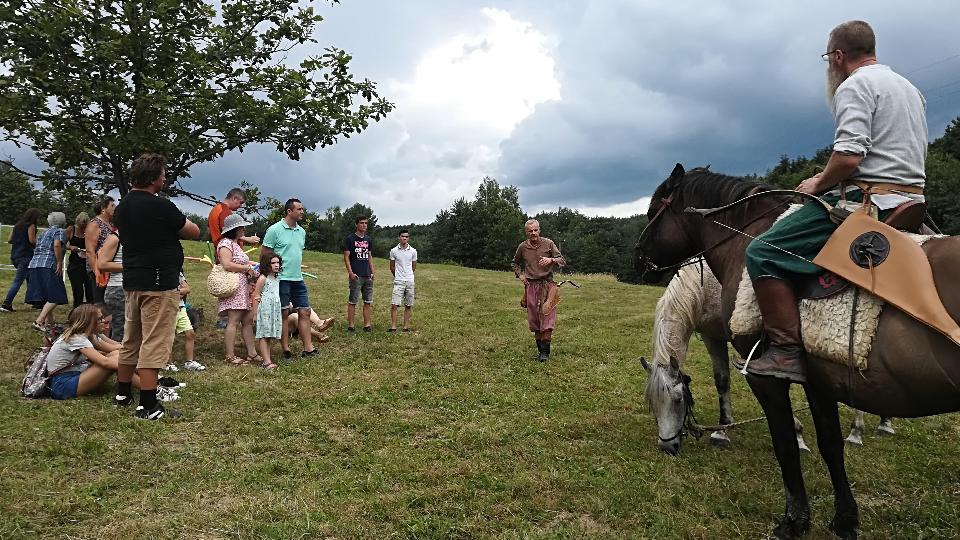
(237, 306)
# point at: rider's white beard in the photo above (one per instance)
(835, 77)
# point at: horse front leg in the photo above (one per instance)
(826, 419)
(856, 429)
(774, 397)
(721, 378)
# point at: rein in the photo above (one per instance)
(692, 427)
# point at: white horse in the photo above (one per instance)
(691, 302)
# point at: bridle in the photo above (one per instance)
(756, 192)
(689, 426)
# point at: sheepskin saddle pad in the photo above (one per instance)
(825, 322)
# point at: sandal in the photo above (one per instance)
(236, 361)
(254, 359)
(323, 339)
(326, 323)
(268, 366)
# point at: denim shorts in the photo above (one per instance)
(293, 295)
(361, 285)
(64, 385)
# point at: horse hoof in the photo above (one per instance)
(719, 439)
(854, 440)
(849, 532)
(885, 431)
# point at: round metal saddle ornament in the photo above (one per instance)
(869, 249)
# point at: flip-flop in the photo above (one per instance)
(323, 339)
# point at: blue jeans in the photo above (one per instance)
(18, 280)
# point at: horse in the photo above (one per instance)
(913, 369)
(691, 302)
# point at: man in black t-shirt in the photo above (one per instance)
(357, 250)
(150, 229)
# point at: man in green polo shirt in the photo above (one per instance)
(287, 239)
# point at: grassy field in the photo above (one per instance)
(447, 432)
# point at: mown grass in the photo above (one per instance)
(448, 432)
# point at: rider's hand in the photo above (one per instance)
(810, 186)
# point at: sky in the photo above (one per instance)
(585, 104)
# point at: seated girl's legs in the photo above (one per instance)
(93, 378)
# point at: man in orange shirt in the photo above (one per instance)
(219, 213)
(215, 219)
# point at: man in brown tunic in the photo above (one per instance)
(533, 265)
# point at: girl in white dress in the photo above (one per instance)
(266, 302)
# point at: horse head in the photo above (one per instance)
(668, 238)
(669, 399)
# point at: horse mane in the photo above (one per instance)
(674, 319)
(702, 184)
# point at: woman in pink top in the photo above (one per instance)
(237, 307)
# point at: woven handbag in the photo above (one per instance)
(222, 283)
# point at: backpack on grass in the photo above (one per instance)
(34, 383)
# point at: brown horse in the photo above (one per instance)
(913, 369)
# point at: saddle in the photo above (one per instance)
(908, 217)
(882, 260)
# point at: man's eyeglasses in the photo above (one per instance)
(826, 56)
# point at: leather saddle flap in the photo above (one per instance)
(886, 262)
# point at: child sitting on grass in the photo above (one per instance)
(78, 361)
(266, 303)
(186, 328)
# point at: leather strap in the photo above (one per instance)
(884, 188)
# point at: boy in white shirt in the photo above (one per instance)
(403, 263)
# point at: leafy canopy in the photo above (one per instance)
(90, 84)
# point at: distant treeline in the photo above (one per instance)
(484, 232)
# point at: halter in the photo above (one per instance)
(689, 424)
(707, 212)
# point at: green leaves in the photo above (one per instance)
(91, 84)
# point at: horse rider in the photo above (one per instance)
(879, 148)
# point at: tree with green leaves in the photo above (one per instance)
(88, 85)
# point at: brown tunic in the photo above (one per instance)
(525, 260)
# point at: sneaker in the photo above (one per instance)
(170, 382)
(156, 413)
(391, 329)
(287, 355)
(368, 329)
(351, 329)
(171, 367)
(193, 365)
(6, 308)
(122, 401)
(310, 354)
(39, 327)
(167, 394)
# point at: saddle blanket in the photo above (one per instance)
(825, 322)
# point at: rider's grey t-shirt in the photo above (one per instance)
(882, 117)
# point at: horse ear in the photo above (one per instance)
(646, 366)
(674, 364)
(678, 172)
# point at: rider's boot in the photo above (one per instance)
(784, 355)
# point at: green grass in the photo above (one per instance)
(449, 432)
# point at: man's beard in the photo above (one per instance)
(835, 77)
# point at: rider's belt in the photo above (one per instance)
(885, 188)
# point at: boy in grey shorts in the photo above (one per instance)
(356, 258)
(403, 263)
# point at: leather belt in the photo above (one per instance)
(884, 188)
